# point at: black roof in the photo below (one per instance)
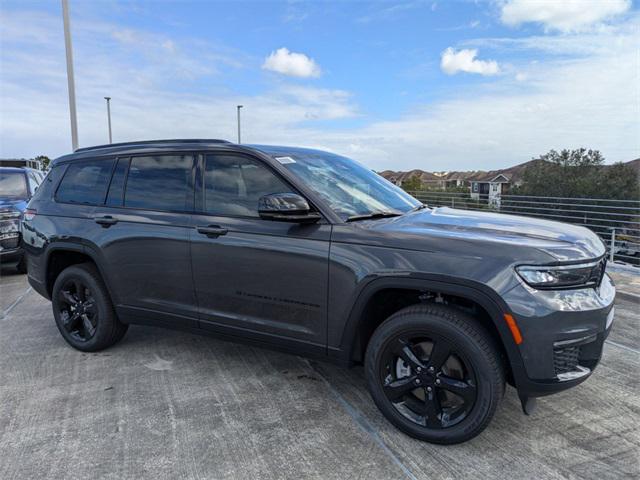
(150, 146)
(141, 146)
(152, 142)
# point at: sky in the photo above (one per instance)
(436, 85)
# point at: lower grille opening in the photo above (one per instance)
(566, 359)
(10, 243)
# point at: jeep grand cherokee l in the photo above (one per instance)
(314, 254)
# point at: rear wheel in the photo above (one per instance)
(434, 373)
(83, 310)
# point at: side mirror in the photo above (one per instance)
(286, 207)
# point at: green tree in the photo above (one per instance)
(412, 184)
(44, 161)
(579, 173)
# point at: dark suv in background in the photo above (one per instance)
(314, 254)
(17, 186)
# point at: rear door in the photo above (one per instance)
(256, 278)
(144, 237)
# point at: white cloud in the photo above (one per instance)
(292, 64)
(562, 15)
(464, 60)
(578, 94)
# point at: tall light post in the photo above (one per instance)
(238, 108)
(70, 80)
(108, 99)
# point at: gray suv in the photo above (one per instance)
(314, 254)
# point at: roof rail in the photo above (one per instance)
(152, 142)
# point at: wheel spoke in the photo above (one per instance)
(90, 307)
(88, 328)
(396, 389)
(67, 297)
(405, 351)
(458, 387)
(432, 409)
(79, 290)
(71, 322)
(440, 352)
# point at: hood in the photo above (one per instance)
(561, 241)
(10, 203)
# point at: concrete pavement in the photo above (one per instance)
(164, 404)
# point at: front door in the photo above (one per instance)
(256, 278)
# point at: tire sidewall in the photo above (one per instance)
(488, 387)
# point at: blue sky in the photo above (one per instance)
(437, 85)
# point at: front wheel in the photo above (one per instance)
(435, 373)
(83, 310)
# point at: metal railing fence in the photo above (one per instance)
(616, 222)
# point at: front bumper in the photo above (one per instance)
(563, 334)
(10, 237)
(10, 250)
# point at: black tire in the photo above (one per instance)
(475, 356)
(90, 324)
(21, 267)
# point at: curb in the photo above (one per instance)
(631, 297)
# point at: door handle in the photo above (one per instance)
(212, 231)
(106, 221)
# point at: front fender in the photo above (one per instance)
(476, 292)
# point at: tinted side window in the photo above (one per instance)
(85, 182)
(233, 185)
(116, 189)
(34, 182)
(49, 182)
(160, 183)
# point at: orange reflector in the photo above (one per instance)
(513, 326)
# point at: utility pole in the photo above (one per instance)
(70, 80)
(108, 99)
(239, 107)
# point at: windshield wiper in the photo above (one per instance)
(373, 215)
(419, 207)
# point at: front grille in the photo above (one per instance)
(565, 359)
(9, 243)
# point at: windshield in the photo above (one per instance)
(13, 185)
(348, 187)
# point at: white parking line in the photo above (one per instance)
(13, 305)
(619, 345)
(363, 423)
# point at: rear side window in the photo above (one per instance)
(85, 182)
(233, 185)
(160, 183)
(34, 182)
(49, 182)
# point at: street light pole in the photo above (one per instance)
(70, 80)
(108, 99)
(239, 107)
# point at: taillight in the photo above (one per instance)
(30, 214)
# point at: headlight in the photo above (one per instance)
(563, 276)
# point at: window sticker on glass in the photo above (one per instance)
(285, 160)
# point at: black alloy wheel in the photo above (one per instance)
(435, 373)
(427, 380)
(78, 310)
(83, 310)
